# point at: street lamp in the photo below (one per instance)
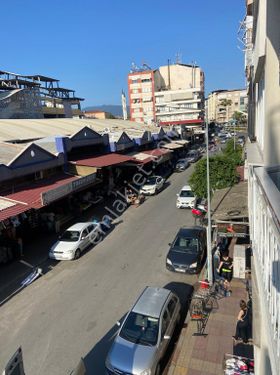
(209, 243)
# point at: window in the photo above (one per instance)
(90, 228)
(165, 323)
(140, 329)
(171, 306)
(146, 80)
(84, 233)
(146, 89)
(134, 91)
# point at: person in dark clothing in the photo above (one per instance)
(226, 270)
(243, 323)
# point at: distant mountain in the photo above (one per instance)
(116, 110)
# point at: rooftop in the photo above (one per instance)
(230, 203)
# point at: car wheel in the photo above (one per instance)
(77, 254)
(157, 370)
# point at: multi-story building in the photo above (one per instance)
(263, 160)
(171, 95)
(101, 115)
(222, 104)
(36, 96)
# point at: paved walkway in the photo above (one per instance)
(198, 355)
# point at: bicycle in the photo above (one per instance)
(202, 303)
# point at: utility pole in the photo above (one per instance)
(209, 242)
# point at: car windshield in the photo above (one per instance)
(70, 236)
(140, 329)
(186, 194)
(151, 181)
(181, 161)
(185, 245)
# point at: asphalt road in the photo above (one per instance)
(71, 311)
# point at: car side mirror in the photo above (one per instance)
(118, 323)
(166, 337)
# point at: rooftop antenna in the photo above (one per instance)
(178, 58)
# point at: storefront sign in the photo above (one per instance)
(83, 181)
(64, 190)
(55, 194)
(232, 230)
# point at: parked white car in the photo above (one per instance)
(186, 198)
(75, 240)
(152, 186)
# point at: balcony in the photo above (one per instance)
(264, 211)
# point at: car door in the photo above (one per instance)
(173, 312)
(160, 182)
(84, 239)
(165, 331)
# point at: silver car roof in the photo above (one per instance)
(151, 301)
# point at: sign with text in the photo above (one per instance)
(64, 190)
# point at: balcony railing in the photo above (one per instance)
(264, 209)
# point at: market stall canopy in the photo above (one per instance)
(104, 160)
(172, 146)
(230, 203)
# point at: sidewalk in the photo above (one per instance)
(198, 355)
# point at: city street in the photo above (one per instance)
(71, 311)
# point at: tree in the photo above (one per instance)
(222, 171)
(234, 154)
(239, 117)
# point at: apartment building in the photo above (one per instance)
(262, 41)
(222, 104)
(170, 95)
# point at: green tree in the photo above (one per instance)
(222, 171)
(239, 117)
(236, 155)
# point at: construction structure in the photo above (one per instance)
(221, 104)
(36, 96)
(170, 95)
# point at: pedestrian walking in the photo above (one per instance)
(243, 323)
(225, 270)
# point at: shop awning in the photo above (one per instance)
(182, 142)
(41, 193)
(159, 155)
(172, 146)
(140, 157)
(104, 160)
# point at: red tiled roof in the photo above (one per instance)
(104, 160)
(29, 196)
(157, 152)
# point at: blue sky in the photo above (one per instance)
(89, 45)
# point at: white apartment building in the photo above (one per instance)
(263, 161)
(220, 113)
(171, 95)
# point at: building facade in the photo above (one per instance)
(222, 104)
(262, 40)
(36, 96)
(171, 95)
(102, 115)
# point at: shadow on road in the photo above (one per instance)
(95, 359)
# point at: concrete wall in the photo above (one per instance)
(181, 77)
